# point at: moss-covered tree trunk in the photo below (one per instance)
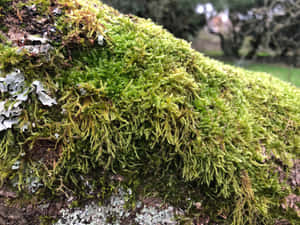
(92, 100)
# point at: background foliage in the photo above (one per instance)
(178, 16)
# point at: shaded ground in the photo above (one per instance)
(207, 43)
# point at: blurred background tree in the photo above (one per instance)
(241, 6)
(273, 25)
(177, 16)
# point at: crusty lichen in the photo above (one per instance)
(144, 105)
(114, 212)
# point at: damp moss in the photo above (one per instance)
(143, 105)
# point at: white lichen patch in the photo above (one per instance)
(36, 49)
(12, 83)
(8, 115)
(37, 39)
(31, 183)
(34, 44)
(14, 87)
(100, 40)
(152, 215)
(16, 165)
(42, 94)
(115, 213)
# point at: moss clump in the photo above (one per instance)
(132, 100)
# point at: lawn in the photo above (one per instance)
(281, 71)
(285, 73)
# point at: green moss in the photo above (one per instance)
(146, 106)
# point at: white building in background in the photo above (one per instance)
(207, 9)
(216, 22)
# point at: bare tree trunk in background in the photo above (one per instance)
(228, 46)
(221, 25)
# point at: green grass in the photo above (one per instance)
(285, 73)
(214, 53)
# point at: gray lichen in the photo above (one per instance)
(35, 45)
(42, 94)
(15, 87)
(115, 213)
(31, 183)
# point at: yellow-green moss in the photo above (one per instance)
(145, 106)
